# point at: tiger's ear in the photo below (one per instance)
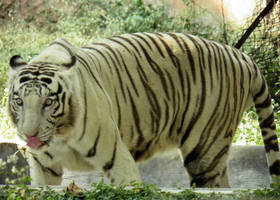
(60, 52)
(17, 61)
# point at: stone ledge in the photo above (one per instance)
(247, 169)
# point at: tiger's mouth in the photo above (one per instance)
(35, 143)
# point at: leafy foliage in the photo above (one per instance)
(133, 191)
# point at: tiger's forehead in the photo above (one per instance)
(39, 69)
(44, 73)
(35, 88)
(39, 78)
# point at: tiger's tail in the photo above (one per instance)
(263, 105)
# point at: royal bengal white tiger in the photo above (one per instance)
(119, 101)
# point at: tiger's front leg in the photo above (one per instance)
(112, 156)
(122, 169)
(44, 175)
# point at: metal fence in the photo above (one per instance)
(263, 46)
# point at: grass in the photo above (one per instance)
(133, 191)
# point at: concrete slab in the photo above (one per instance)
(247, 169)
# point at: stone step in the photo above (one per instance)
(247, 169)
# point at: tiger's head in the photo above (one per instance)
(41, 103)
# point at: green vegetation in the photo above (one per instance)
(84, 21)
(133, 191)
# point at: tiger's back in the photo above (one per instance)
(159, 91)
(164, 87)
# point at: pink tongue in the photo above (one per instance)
(33, 142)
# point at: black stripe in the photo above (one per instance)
(85, 64)
(48, 154)
(129, 75)
(71, 115)
(209, 59)
(120, 43)
(59, 90)
(201, 181)
(154, 66)
(271, 143)
(163, 82)
(241, 83)
(176, 110)
(102, 55)
(135, 114)
(111, 50)
(152, 38)
(166, 115)
(202, 147)
(217, 159)
(274, 169)
(264, 133)
(174, 59)
(46, 169)
(262, 90)
(121, 84)
(109, 165)
(200, 103)
(200, 52)
(46, 80)
(172, 87)
(182, 81)
(190, 125)
(63, 108)
(119, 109)
(131, 43)
(138, 155)
(266, 103)
(234, 76)
(191, 61)
(187, 104)
(93, 60)
(268, 122)
(175, 37)
(153, 102)
(63, 80)
(143, 39)
(85, 106)
(141, 72)
(24, 79)
(73, 58)
(51, 122)
(92, 151)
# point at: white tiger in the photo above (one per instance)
(113, 103)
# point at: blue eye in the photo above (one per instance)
(19, 101)
(49, 102)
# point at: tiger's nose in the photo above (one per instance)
(28, 135)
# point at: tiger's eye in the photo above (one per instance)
(19, 101)
(49, 102)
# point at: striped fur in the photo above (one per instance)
(109, 104)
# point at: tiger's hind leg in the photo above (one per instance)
(207, 166)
